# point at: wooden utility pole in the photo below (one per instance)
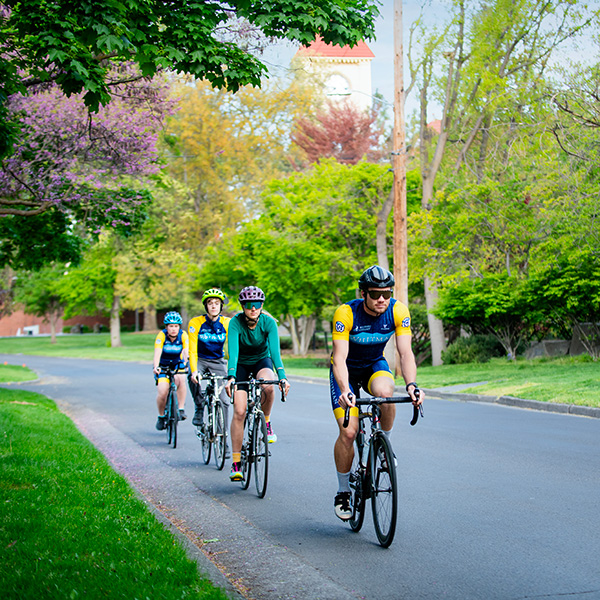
(399, 164)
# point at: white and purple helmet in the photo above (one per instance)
(251, 293)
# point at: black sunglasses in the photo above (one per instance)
(375, 294)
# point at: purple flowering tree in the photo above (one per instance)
(84, 163)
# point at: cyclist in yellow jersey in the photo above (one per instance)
(361, 329)
(171, 349)
(208, 334)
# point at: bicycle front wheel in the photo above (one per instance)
(220, 435)
(384, 489)
(205, 433)
(357, 486)
(246, 456)
(171, 412)
(260, 448)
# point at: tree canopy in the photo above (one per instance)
(74, 42)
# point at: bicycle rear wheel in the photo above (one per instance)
(246, 456)
(260, 448)
(220, 437)
(384, 489)
(357, 484)
(205, 433)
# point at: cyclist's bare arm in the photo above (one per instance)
(408, 365)
(340, 371)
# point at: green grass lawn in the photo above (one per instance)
(567, 380)
(70, 527)
(15, 373)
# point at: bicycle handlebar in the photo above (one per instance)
(417, 410)
(263, 382)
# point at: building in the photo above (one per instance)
(346, 70)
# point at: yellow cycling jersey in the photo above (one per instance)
(367, 335)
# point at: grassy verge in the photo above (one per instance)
(136, 346)
(70, 527)
(15, 373)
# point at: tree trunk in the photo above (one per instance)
(149, 319)
(53, 318)
(115, 323)
(436, 327)
(302, 330)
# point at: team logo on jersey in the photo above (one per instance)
(339, 326)
(406, 322)
(192, 330)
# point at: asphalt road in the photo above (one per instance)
(496, 502)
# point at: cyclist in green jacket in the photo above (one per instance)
(254, 351)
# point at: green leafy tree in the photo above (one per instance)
(497, 304)
(36, 292)
(90, 287)
(309, 245)
(569, 290)
(485, 69)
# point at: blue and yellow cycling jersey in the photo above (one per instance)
(207, 339)
(367, 335)
(171, 350)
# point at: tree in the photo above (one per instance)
(342, 131)
(309, 245)
(90, 287)
(68, 160)
(36, 291)
(497, 304)
(74, 43)
(493, 57)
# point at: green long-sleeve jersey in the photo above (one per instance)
(248, 346)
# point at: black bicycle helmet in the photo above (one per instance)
(376, 277)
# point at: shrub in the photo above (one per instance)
(476, 348)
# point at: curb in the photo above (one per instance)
(555, 407)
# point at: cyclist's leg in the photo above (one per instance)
(381, 383)
(181, 390)
(161, 400)
(343, 450)
(161, 394)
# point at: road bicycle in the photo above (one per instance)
(172, 406)
(373, 473)
(213, 431)
(255, 444)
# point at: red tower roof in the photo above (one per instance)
(320, 48)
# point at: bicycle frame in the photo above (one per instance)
(171, 406)
(374, 476)
(255, 445)
(214, 430)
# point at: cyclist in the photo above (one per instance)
(254, 350)
(361, 329)
(171, 349)
(207, 340)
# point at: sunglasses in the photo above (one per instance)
(249, 305)
(375, 294)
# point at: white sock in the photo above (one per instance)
(343, 482)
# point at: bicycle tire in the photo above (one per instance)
(220, 435)
(260, 450)
(169, 417)
(384, 489)
(246, 456)
(174, 416)
(358, 488)
(205, 433)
